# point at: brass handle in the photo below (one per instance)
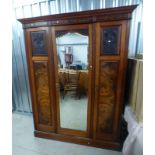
(90, 67)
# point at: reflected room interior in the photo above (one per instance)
(72, 58)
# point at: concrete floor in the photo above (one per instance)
(24, 143)
(73, 112)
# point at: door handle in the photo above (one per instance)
(90, 67)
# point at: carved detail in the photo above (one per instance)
(110, 40)
(108, 77)
(39, 43)
(64, 32)
(81, 20)
(114, 17)
(42, 92)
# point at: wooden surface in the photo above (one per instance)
(106, 76)
(91, 16)
(42, 91)
(107, 96)
(80, 140)
(109, 113)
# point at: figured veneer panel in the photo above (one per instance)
(105, 118)
(110, 40)
(38, 40)
(42, 92)
(107, 95)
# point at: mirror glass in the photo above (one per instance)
(72, 58)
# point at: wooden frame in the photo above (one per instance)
(64, 130)
(93, 21)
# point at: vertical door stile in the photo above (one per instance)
(96, 76)
(90, 78)
(52, 77)
(56, 84)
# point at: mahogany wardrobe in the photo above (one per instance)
(77, 65)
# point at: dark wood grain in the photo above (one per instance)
(42, 92)
(107, 95)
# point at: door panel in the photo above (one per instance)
(37, 40)
(110, 40)
(107, 96)
(42, 92)
(109, 74)
(72, 59)
(39, 43)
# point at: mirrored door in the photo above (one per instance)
(73, 78)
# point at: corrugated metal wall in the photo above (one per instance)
(20, 84)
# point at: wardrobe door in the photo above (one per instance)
(40, 75)
(73, 74)
(111, 53)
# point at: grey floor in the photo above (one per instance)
(24, 143)
(73, 112)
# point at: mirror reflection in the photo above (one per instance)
(72, 56)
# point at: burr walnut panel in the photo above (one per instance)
(42, 92)
(107, 95)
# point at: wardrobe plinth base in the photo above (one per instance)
(80, 140)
